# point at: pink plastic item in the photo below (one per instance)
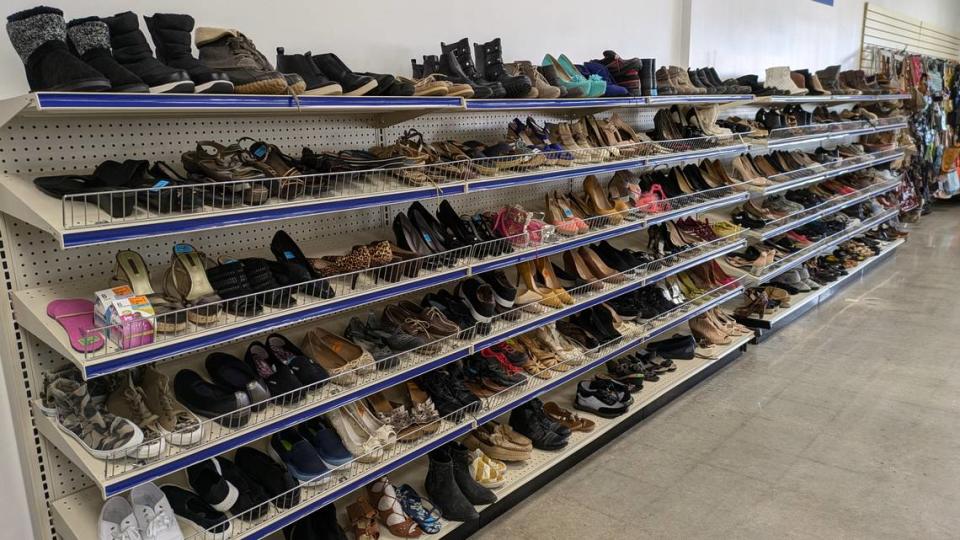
(75, 315)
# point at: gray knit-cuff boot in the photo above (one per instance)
(90, 40)
(39, 37)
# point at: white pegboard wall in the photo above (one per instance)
(32, 146)
(491, 127)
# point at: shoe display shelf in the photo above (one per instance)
(107, 103)
(523, 478)
(349, 290)
(795, 259)
(782, 137)
(834, 98)
(102, 217)
(61, 133)
(805, 301)
(830, 206)
(113, 476)
(818, 173)
(76, 516)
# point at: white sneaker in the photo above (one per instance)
(117, 521)
(155, 517)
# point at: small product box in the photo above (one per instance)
(126, 316)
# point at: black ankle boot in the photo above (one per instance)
(317, 84)
(90, 40)
(441, 486)
(334, 69)
(132, 51)
(460, 51)
(490, 61)
(473, 491)
(448, 66)
(39, 37)
(172, 35)
(648, 77)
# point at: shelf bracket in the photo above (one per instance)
(11, 107)
(385, 120)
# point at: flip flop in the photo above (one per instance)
(76, 317)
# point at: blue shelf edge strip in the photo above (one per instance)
(92, 100)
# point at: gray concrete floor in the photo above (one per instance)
(846, 424)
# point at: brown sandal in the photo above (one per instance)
(567, 418)
(363, 520)
(391, 513)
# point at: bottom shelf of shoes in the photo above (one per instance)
(523, 474)
(804, 301)
(653, 396)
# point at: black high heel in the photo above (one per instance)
(454, 225)
(298, 268)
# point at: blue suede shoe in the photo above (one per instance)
(600, 70)
(326, 442)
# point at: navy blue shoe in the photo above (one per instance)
(600, 70)
(326, 442)
(301, 459)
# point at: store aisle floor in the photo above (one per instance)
(844, 425)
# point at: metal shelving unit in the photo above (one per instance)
(61, 133)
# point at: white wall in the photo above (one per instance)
(383, 35)
(746, 36)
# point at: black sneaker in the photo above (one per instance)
(434, 383)
(480, 299)
(188, 506)
(452, 308)
(553, 426)
(598, 399)
(254, 501)
(525, 421)
(206, 479)
(270, 475)
(281, 381)
(308, 372)
(211, 400)
(230, 372)
(455, 382)
(504, 293)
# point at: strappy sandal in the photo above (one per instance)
(390, 510)
(419, 509)
(212, 161)
(277, 165)
(186, 279)
(363, 521)
(131, 270)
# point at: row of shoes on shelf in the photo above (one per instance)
(781, 80)
(756, 259)
(814, 274)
